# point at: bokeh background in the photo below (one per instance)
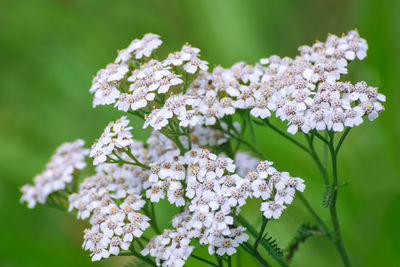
(51, 49)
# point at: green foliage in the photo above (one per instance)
(272, 248)
(305, 231)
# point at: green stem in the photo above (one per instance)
(229, 261)
(241, 140)
(314, 213)
(143, 258)
(255, 234)
(138, 163)
(204, 260)
(246, 224)
(249, 122)
(189, 137)
(268, 123)
(153, 213)
(337, 237)
(260, 234)
(315, 157)
(342, 139)
(220, 262)
(255, 253)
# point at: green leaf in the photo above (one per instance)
(305, 231)
(272, 248)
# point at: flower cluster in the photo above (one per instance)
(110, 200)
(60, 171)
(115, 136)
(170, 249)
(304, 91)
(189, 160)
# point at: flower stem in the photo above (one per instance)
(268, 123)
(241, 140)
(229, 261)
(260, 234)
(253, 135)
(317, 161)
(255, 253)
(342, 139)
(153, 213)
(314, 213)
(337, 237)
(204, 260)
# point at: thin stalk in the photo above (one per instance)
(220, 262)
(143, 258)
(255, 253)
(238, 259)
(241, 140)
(315, 157)
(261, 232)
(325, 153)
(337, 237)
(149, 214)
(128, 253)
(268, 123)
(204, 260)
(138, 163)
(189, 137)
(153, 213)
(255, 234)
(342, 139)
(229, 261)
(323, 139)
(249, 122)
(314, 213)
(249, 227)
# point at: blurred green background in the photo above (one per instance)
(51, 49)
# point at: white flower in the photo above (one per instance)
(260, 189)
(239, 235)
(117, 244)
(271, 209)
(175, 194)
(60, 171)
(155, 193)
(111, 227)
(146, 45)
(194, 64)
(99, 253)
(227, 246)
(115, 136)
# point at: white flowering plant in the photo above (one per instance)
(198, 158)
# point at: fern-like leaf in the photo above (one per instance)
(305, 231)
(273, 249)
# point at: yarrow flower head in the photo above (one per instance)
(199, 118)
(116, 136)
(68, 159)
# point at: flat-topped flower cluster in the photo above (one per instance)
(304, 91)
(189, 159)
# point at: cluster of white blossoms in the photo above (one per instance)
(170, 249)
(212, 194)
(111, 200)
(115, 136)
(188, 158)
(304, 91)
(60, 171)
